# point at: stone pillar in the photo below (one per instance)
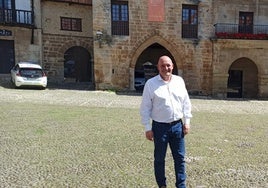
(219, 87)
(131, 78)
(263, 86)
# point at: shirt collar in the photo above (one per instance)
(160, 78)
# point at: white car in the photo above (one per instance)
(28, 74)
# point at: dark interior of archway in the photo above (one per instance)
(150, 56)
(242, 79)
(77, 64)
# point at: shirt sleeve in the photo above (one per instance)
(146, 108)
(187, 108)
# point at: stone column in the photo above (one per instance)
(219, 87)
(131, 78)
(263, 86)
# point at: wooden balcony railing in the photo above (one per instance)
(16, 17)
(83, 2)
(236, 31)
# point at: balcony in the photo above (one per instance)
(13, 17)
(82, 2)
(236, 31)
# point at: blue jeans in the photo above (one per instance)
(173, 135)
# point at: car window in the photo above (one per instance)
(31, 72)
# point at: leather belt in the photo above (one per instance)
(170, 124)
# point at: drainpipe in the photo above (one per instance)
(257, 10)
(32, 8)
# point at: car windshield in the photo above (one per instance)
(31, 72)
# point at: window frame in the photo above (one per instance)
(189, 21)
(71, 23)
(13, 13)
(246, 22)
(120, 19)
(6, 4)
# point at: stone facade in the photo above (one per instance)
(251, 54)
(57, 41)
(205, 62)
(26, 43)
(192, 58)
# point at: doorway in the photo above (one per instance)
(78, 66)
(243, 79)
(235, 84)
(246, 22)
(146, 64)
(7, 57)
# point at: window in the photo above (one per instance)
(5, 4)
(16, 12)
(71, 24)
(189, 21)
(120, 23)
(245, 22)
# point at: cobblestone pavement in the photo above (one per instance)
(37, 162)
(124, 100)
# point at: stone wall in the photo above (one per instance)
(56, 41)
(203, 62)
(24, 49)
(226, 11)
(53, 11)
(54, 47)
(114, 64)
(27, 40)
(227, 52)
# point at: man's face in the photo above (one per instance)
(165, 67)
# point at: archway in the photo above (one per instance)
(145, 67)
(77, 65)
(243, 79)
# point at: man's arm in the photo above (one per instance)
(145, 111)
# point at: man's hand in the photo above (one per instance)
(149, 135)
(186, 128)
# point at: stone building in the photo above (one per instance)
(56, 34)
(239, 48)
(20, 34)
(68, 40)
(219, 47)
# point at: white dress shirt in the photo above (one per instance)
(165, 101)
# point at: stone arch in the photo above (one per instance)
(78, 65)
(242, 79)
(78, 43)
(154, 40)
(223, 64)
(53, 55)
(72, 43)
(161, 41)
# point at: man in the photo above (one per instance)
(165, 100)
